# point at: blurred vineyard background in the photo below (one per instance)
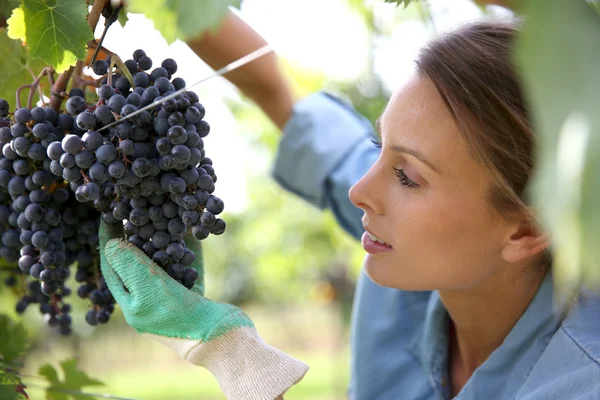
(287, 264)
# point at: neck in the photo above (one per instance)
(482, 317)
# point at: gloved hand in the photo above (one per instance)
(217, 336)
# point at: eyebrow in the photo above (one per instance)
(406, 150)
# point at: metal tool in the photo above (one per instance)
(228, 68)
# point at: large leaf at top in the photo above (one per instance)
(183, 19)
(13, 340)
(6, 6)
(559, 56)
(405, 3)
(73, 381)
(54, 30)
(16, 66)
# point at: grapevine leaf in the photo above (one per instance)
(11, 387)
(13, 339)
(16, 24)
(6, 6)
(74, 381)
(563, 96)
(123, 18)
(15, 64)
(405, 3)
(48, 372)
(56, 31)
(183, 19)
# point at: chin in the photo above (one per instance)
(390, 275)
(382, 273)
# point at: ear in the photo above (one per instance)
(525, 242)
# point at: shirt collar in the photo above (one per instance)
(515, 357)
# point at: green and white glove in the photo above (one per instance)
(217, 336)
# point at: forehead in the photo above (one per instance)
(417, 109)
(418, 117)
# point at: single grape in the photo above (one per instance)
(75, 105)
(144, 62)
(22, 115)
(100, 67)
(4, 107)
(169, 65)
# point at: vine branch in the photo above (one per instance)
(32, 88)
(77, 72)
(58, 89)
(41, 92)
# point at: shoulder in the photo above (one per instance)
(570, 365)
(582, 327)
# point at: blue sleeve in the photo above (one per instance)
(326, 148)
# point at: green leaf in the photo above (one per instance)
(6, 7)
(56, 31)
(13, 339)
(11, 387)
(183, 19)
(74, 381)
(558, 55)
(15, 65)
(16, 24)
(405, 3)
(123, 18)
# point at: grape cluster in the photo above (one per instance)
(61, 173)
(39, 227)
(149, 173)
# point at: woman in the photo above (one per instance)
(455, 299)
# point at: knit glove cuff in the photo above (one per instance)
(245, 367)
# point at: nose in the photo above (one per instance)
(364, 194)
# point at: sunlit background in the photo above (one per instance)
(288, 265)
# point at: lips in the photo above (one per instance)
(376, 239)
(372, 235)
(373, 244)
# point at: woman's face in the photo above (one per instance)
(427, 198)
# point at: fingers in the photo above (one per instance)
(115, 285)
(132, 266)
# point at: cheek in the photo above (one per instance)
(437, 244)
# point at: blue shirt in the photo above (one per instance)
(399, 338)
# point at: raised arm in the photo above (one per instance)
(261, 80)
(326, 145)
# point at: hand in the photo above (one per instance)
(217, 336)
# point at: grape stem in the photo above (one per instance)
(51, 77)
(77, 75)
(82, 82)
(41, 92)
(32, 89)
(85, 177)
(92, 44)
(58, 89)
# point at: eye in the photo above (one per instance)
(405, 180)
(377, 143)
